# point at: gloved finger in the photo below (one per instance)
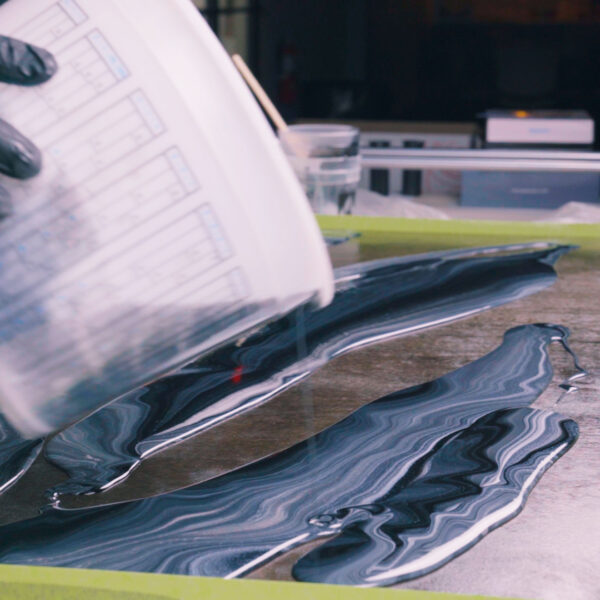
(19, 157)
(5, 204)
(24, 64)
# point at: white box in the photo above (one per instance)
(538, 127)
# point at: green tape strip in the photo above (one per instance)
(44, 583)
(382, 229)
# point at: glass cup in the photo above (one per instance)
(326, 160)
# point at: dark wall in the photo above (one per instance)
(473, 67)
(325, 40)
(395, 59)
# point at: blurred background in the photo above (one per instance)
(418, 74)
(426, 60)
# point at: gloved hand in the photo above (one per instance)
(21, 64)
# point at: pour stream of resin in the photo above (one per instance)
(374, 301)
(402, 485)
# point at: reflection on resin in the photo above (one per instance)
(406, 483)
(374, 301)
(468, 484)
(16, 454)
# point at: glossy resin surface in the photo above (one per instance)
(405, 483)
(374, 301)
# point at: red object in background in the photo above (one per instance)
(288, 83)
(236, 376)
(288, 90)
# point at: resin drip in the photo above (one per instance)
(374, 301)
(568, 384)
(405, 483)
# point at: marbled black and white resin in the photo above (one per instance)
(374, 301)
(470, 483)
(406, 483)
(16, 454)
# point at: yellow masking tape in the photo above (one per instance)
(45, 583)
(387, 229)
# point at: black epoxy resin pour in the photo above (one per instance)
(374, 301)
(404, 484)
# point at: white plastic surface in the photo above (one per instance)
(166, 219)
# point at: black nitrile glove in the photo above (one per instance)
(21, 64)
